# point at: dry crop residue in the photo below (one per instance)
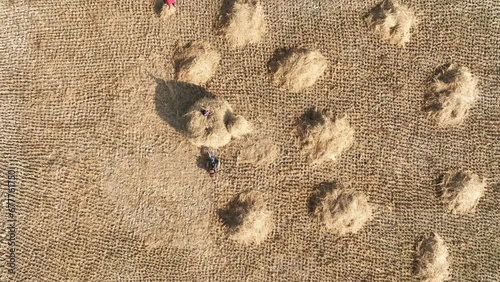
(258, 151)
(461, 191)
(247, 218)
(245, 23)
(323, 137)
(341, 210)
(216, 129)
(297, 68)
(451, 94)
(392, 22)
(196, 62)
(431, 259)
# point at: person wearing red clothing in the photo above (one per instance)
(170, 3)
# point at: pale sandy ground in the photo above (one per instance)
(109, 189)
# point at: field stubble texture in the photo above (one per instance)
(108, 187)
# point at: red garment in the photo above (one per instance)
(170, 3)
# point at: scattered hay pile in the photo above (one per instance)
(323, 137)
(462, 191)
(260, 152)
(343, 211)
(247, 218)
(297, 68)
(391, 21)
(196, 62)
(451, 94)
(245, 23)
(215, 129)
(431, 260)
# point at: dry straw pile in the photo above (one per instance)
(244, 23)
(431, 259)
(461, 191)
(212, 123)
(392, 22)
(196, 62)
(343, 211)
(297, 69)
(247, 218)
(324, 137)
(452, 92)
